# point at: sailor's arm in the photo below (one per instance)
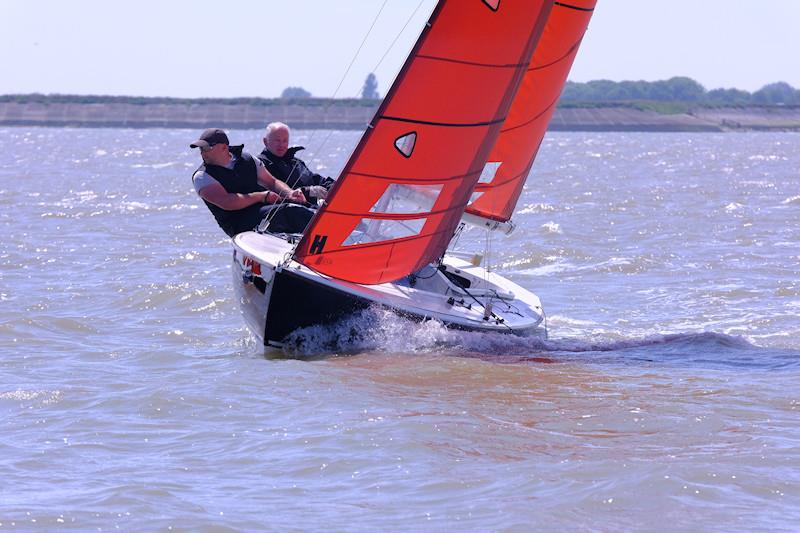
(268, 181)
(216, 194)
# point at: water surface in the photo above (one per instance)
(666, 395)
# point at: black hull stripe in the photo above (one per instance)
(576, 8)
(297, 302)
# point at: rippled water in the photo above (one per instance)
(666, 396)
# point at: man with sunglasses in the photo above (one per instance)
(240, 192)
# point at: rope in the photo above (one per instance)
(282, 200)
(274, 212)
(347, 71)
(398, 35)
(386, 53)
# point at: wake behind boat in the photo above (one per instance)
(453, 142)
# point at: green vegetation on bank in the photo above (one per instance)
(677, 90)
(673, 96)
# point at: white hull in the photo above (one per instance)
(278, 297)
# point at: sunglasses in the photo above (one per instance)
(207, 148)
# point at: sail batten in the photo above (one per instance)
(577, 8)
(474, 63)
(401, 195)
(421, 179)
(567, 54)
(536, 117)
(446, 124)
(400, 216)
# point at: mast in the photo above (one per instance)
(401, 195)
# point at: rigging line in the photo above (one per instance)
(374, 21)
(389, 49)
(496, 317)
(283, 199)
(346, 72)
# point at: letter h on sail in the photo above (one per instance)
(318, 244)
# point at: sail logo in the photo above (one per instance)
(318, 244)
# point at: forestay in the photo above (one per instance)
(401, 195)
(510, 162)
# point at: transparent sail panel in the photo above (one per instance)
(475, 196)
(407, 199)
(377, 230)
(489, 171)
(405, 144)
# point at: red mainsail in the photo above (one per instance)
(401, 195)
(511, 159)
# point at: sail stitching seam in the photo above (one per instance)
(493, 184)
(382, 243)
(537, 117)
(572, 49)
(399, 179)
(396, 216)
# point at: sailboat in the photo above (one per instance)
(453, 142)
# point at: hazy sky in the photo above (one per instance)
(204, 48)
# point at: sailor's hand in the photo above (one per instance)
(271, 197)
(297, 196)
(318, 191)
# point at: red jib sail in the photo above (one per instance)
(400, 197)
(511, 159)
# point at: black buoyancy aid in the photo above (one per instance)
(242, 178)
(289, 169)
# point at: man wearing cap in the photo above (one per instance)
(235, 187)
(281, 162)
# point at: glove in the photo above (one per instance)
(318, 191)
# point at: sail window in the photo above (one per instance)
(494, 5)
(377, 230)
(407, 199)
(405, 143)
(475, 196)
(489, 171)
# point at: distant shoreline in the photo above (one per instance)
(355, 115)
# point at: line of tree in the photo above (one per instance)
(678, 89)
(368, 92)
